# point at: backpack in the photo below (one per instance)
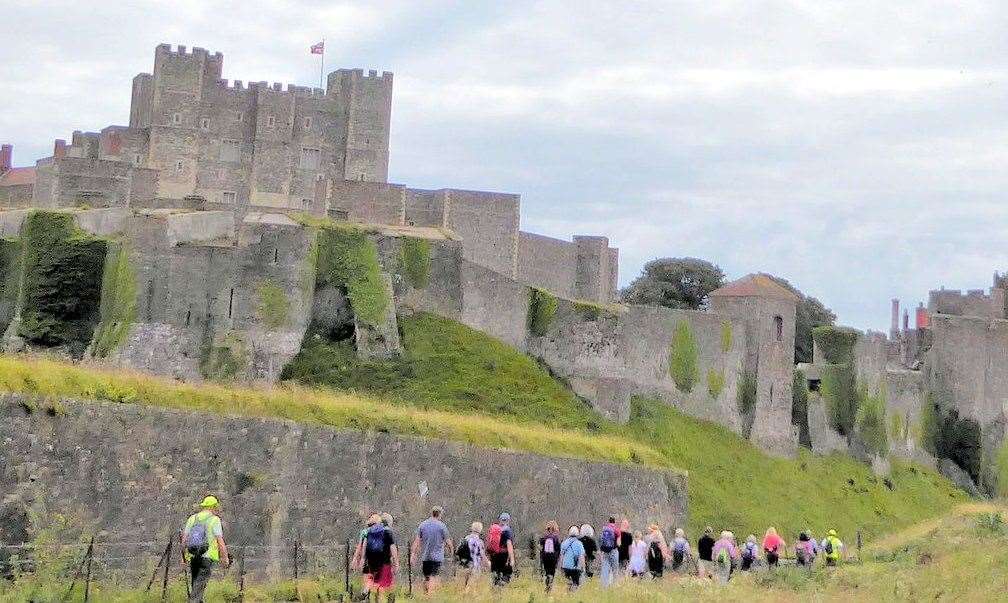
(607, 539)
(749, 551)
(197, 542)
(463, 553)
(656, 557)
(549, 546)
(494, 537)
(723, 557)
(828, 546)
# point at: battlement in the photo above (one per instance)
(974, 302)
(180, 51)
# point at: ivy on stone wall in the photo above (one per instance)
(839, 391)
(870, 424)
(61, 290)
(118, 300)
(542, 310)
(836, 343)
(592, 311)
(946, 435)
(274, 306)
(726, 336)
(683, 357)
(344, 256)
(224, 359)
(746, 394)
(715, 383)
(10, 278)
(415, 262)
(799, 407)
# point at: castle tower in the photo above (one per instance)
(367, 103)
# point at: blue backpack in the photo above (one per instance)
(375, 540)
(197, 543)
(607, 539)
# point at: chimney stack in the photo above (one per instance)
(59, 149)
(922, 316)
(906, 320)
(6, 155)
(894, 323)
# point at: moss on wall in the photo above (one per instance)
(274, 306)
(715, 383)
(746, 393)
(61, 291)
(542, 310)
(835, 343)
(344, 256)
(839, 391)
(684, 357)
(592, 311)
(10, 279)
(726, 336)
(871, 426)
(415, 262)
(799, 407)
(223, 359)
(118, 300)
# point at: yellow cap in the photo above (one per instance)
(209, 502)
(832, 532)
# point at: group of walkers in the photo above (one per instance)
(618, 550)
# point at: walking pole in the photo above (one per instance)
(346, 566)
(859, 545)
(241, 575)
(296, 542)
(409, 573)
(158, 566)
(87, 580)
(167, 566)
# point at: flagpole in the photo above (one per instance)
(321, 72)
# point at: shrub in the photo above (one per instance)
(274, 307)
(415, 262)
(345, 256)
(870, 424)
(726, 336)
(223, 360)
(683, 357)
(990, 524)
(542, 310)
(836, 343)
(715, 383)
(592, 311)
(839, 392)
(799, 407)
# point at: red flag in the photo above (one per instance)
(318, 48)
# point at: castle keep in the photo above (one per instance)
(229, 221)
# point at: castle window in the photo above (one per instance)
(137, 159)
(270, 121)
(309, 159)
(204, 123)
(179, 166)
(779, 327)
(176, 118)
(229, 197)
(240, 117)
(306, 203)
(307, 123)
(230, 151)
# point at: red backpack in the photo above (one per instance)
(494, 538)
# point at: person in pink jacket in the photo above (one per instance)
(773, 546)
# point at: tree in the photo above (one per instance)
(809, 313)
(682, 283)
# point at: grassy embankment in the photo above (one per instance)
(458, 384)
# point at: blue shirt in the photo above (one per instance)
(433, 535)
(571, 550)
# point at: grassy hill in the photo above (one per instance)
(458, 384)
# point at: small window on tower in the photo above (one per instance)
(229, 197)
(179, 166)
(307, 123)
(270, 121)
(779, 327)
(204, 123)
(310, 159)
(306, 203)
(137, 159)
(240, 117)
(176, 118)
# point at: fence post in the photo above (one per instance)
(161, 559)
(241, 575)
(87, 579)
(167, 566)
(859, 545)
(346, 566)
(409, 572)
(296, 543)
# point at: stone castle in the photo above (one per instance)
(229, 220)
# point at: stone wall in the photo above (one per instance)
(585, 268)
(487, 223)
(972, 303)
(123, 471)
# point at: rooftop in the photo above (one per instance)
(755, 285)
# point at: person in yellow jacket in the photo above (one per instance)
(203, 546)
(832, 548)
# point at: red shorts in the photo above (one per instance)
(383, 578)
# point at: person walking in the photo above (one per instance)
(805, 553)
(429, 544)
(203, 546)
(681, 552)
(549, 553)
(472, 555)
(637, 563)
(359, 561)
(381, 557)
(657, 551)
(749, 553)
(705, 552)
(500, 543)
(726, 555)
(573, 558)
(590, 546)
(773, 545)
(609, 541)
(626, 540)
(832, 548)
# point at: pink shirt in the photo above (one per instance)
(724, 544)
(773, 543)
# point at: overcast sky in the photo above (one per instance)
(857, 148)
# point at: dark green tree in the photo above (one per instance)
(682, 283)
